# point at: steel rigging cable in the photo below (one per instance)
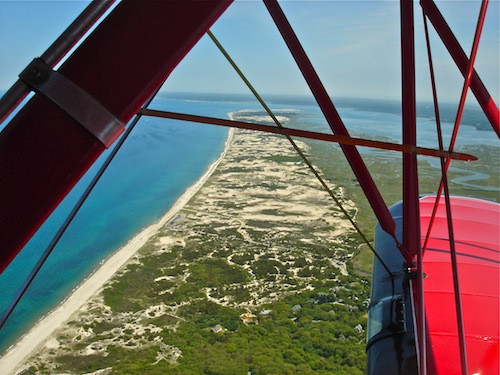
(62, 229)
(299, 151)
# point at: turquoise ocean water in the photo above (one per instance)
(157, 164)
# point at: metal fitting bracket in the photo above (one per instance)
(73, 100)
(412, 272)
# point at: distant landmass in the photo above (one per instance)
(472, 116)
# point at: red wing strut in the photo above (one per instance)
(332, 116)
(44, 151)
(411, 211)
(483, 97)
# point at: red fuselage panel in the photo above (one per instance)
(477, 229)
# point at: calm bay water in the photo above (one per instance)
(157, 164)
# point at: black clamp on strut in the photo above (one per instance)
(412, 272)
(74, 100)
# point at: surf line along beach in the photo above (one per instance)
(45, 327)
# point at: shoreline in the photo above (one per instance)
(16, 354)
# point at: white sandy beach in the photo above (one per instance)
(44, 329)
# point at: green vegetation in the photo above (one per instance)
(124, 295)
(267, 268)
(285, 158)
(385, 167)
(323, 336)
(215, 273)
(314, 324)
(242, 258)
(362, 263)
(320, 338)
(251, 287)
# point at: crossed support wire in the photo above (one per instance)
(333, 118)
(411, 206)
(56, 52)
(411, 244)
(69, 218)
(444, 170)
(458, 55)
(469, 79)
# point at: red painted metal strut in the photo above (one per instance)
(352, 141)
(333, 118)
(469, 79)
(482, 95)
(56, 52)
(411, 208)
(44, 152)
(444, 185)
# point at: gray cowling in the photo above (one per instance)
(391, 345)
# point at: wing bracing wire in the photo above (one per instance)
(69, 219)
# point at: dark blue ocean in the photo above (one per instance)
(159, 161)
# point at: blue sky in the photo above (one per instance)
(354, 46)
